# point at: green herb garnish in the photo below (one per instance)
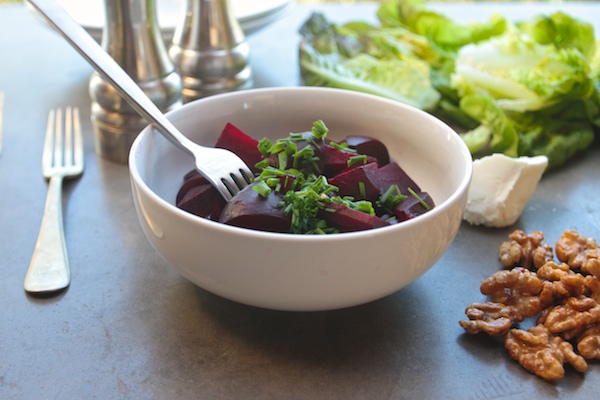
(391, 198)
(361, 189)
(319, 129)
(416, 196)
(354, 160)
(343, 147)
(262, 188)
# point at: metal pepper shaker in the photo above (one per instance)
(209, 50)
(133, 38)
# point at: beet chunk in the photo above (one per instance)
(234, 139)
(392, 174)
(347, 219)
(411, 207)
(203, 200)
(249, 209)
(191, 180)
(332, 160)
(371, 147)
(348, 182)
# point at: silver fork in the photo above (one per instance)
(225, 170)
(62, 158)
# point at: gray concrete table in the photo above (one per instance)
(130, 327)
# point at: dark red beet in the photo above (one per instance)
(392, 174)
(287, 182)
(348, 180)
(191, 180)
(371, 147)
(347, 219)
(203, 200)
(234, 139)
(332, 160)
(191, 174)
(249, 209)
(411, 207)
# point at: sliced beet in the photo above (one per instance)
(332, 160)
(234, 139)
(411, 207)
(287, 182)
(347, 219)
(249, 209)
(393, 174)
(203, 200)
(191, 180)
(349, 182)
(191, 174)
(371, 147)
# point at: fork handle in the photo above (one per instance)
(49, 267)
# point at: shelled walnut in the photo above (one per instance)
(518, 288)
(563, 296)
(579, 252)
(542, 353)
(525, 250)
(492, 318)
(588, 342)
(576, 312)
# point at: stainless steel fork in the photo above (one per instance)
(62, 158)
(225, 170)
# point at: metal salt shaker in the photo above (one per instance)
(209, 50)
(133, 38)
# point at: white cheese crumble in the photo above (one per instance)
(501, 188)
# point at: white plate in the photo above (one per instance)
(252, 14)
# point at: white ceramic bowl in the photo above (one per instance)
(302, 272)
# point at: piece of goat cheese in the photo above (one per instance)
(501, 187)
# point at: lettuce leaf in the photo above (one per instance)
(521, 74)
(439, 29)
(363, 58)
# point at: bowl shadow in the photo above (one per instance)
(355, 334)
(357, 350)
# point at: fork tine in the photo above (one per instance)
(68, 148)
(48, 143)
(237, 180)
(58, 139)
(78, 138)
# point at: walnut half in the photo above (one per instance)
(525, 250)
(576, 312)
(579, 252)
(495, 319)
(542, 353)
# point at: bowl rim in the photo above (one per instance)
(246, 232)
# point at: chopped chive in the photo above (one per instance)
(319, 129)
(365, 206)
(362, 190)
(416, 196)
(342, 147)
(282, 159)
(354, 160)
(391, 198)
(262, 188)
(264, 145)
(262, 164)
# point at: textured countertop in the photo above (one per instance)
(129, 327)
